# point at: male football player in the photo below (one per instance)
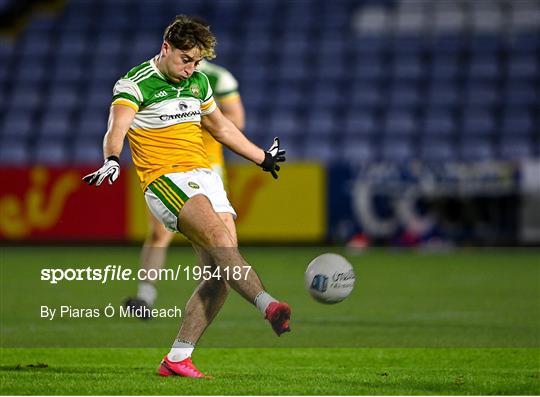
(154, 251)
(160, 105)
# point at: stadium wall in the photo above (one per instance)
(485, 203)
(52, 204)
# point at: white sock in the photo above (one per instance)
(180, 350)
(262, 300)
(147, 292)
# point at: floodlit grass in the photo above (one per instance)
(465, 322)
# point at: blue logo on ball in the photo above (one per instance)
(319, 283)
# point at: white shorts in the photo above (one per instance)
(166, 195)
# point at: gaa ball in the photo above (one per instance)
(329, 278)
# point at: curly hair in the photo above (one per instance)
(185, 33)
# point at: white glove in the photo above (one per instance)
(110, 169)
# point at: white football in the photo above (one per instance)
(329, 278)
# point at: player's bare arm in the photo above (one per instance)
(226, 133)
(120, 118)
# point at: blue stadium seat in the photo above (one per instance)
(524, 42)
(407, 67)
(145, 46)
(358, 124)
(7, 47)
(523, 67)
(521, 95)
(320, 150)
(515, 149)
(408, 44)
(32, 73)
(443, 95)
(476, 150)
(321, 124)
(17, 124)
(285, 123)
(354, 151)
(86, 152)
(93, 122)
(107, 45)
(479, 123)
(370, 70)
(296, 46)
(326, 95)
(291, 69)
(287, 97)
(63, 97)
(329, 69)
(99, 96)
(439, 123)
(483, 67)
(437, 150)
(445, 67)
(104, 74)
(55, 124)
(253, 96)
(405, 96)
(51, 153)
(36, 43)
(331, 47)
(485, 43)
(295, 151)
(14, 152)
(400, 123)
(255, 122)
(71, 45)
(449, 44)
(397, 150)
(518, 122)
(42, 24)
(481, 94)
(25, 97)
(68, 72)
(258, 46)
(370, 43)
(365, 95)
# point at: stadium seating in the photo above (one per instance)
(356, 80)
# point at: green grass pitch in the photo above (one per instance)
(464, 322)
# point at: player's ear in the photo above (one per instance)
(165, 48)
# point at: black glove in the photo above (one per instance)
(110, 169)
(271, 157)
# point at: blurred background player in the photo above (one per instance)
(154, 251)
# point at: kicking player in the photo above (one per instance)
(160, 105)
(154, 251)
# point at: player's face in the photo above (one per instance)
(180, 64)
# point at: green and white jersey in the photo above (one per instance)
(165, 135)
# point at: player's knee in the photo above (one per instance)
(159, 237)
(217, 236)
